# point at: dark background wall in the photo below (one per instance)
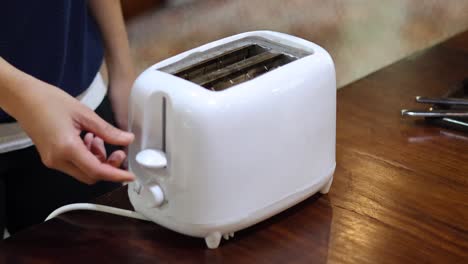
(361, 35)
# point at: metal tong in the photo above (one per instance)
(432, 112)
(447, 111)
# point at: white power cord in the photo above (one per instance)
(96, 207)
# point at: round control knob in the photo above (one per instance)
(153, 195)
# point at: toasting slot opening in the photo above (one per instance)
(233, 63)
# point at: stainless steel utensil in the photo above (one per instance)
(435, 113)
(448, 112)
(442, 100)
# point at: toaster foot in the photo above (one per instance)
(227, 236)
(213, 240)
(326, 188)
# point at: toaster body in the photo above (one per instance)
(227, 135)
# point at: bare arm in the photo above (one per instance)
(13, 87)
(108, 15)
(54, 120)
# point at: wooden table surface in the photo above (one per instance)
(400, 193)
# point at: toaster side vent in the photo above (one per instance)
(233, 63)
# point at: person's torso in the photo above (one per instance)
(56, 41)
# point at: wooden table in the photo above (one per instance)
(400, 193)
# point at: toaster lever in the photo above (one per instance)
(151, 159)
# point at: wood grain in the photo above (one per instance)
(400, 193)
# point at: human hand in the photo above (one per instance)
(54, 121)
(96, 146)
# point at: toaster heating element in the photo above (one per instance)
(232, 132)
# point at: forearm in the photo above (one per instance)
(15, 88)
(108, 15)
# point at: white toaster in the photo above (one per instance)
(232, 132)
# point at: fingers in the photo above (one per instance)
(88, 163)
(88, 139)
(98, 149)
(76, 173)
(116, 158)
(90, 121)
(125, 161)
(96, 146)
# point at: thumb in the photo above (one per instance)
(91, 122)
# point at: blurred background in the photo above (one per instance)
(361, 35)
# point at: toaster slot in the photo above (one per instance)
(230, 64)
(219, 62)
(234, 67)
(241, 71)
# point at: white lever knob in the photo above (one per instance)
(151, 159)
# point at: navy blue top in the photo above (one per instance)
(56, 41)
